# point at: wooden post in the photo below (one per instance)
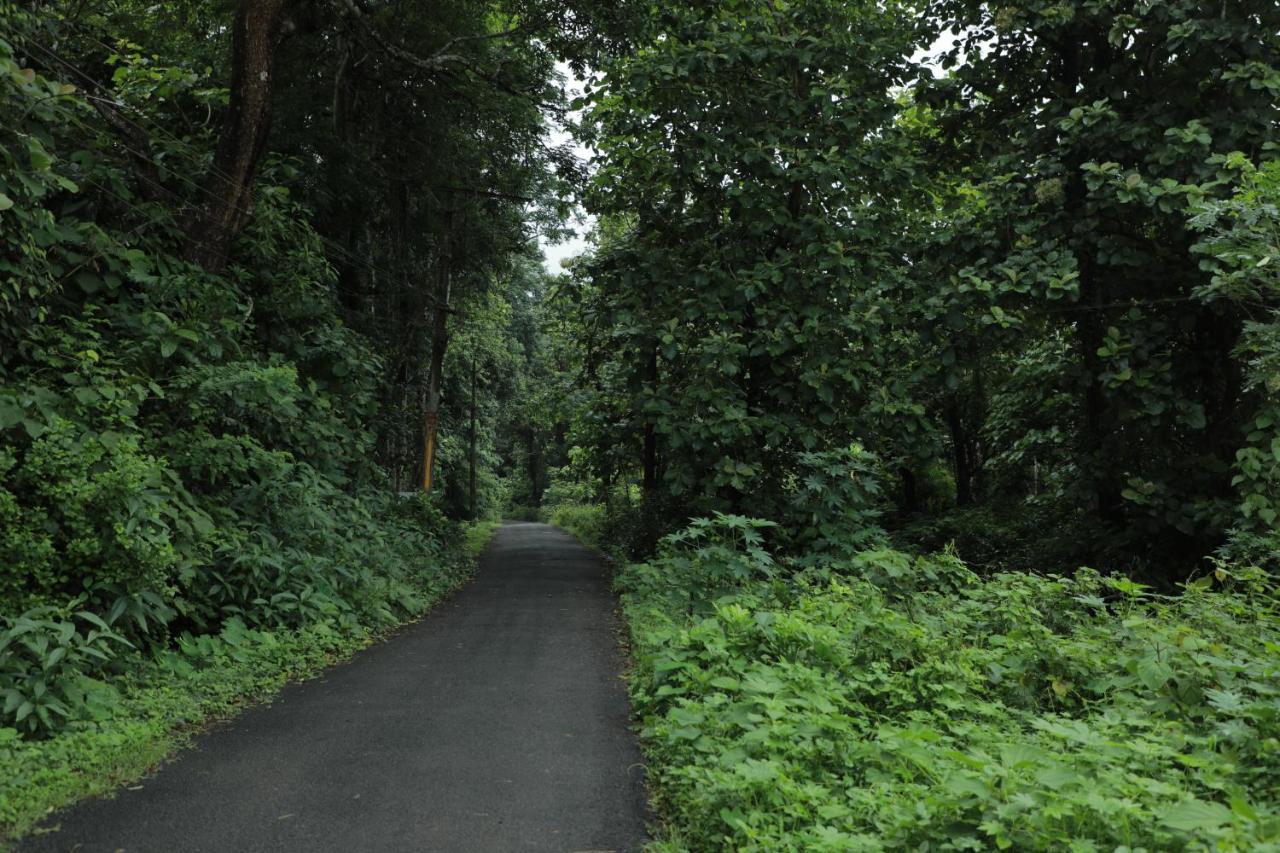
(428, 449)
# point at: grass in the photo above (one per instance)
(169, 700)
(585, 521)
(477, 536)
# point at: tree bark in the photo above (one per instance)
(439, 346)
(960, 454)
(472, 472)
(221, 214)
(649, 463)
(1096, 435)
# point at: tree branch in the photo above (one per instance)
(432, 63)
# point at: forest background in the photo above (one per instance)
(895, 315)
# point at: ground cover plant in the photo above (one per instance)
(976, 304)
(891, 702)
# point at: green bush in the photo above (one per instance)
(48, 660)
(524, 513)
(80, 505)
(892, 702)
(832, 505)
(585, 521)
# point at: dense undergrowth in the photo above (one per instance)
(885, 701)
(588, 522)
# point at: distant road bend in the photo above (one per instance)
(497, 723)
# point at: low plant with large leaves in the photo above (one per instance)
(888, 702)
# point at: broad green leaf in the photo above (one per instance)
(1195, 815)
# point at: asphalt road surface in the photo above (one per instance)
(497, 723)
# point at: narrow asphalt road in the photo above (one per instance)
(497, 723)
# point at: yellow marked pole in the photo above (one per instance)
(428, 450)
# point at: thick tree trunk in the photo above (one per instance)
(1094, 452)
(222, 212)
(1098, 465)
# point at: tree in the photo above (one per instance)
(752, 164)
(1091, 128)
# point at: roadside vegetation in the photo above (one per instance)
(889, 702)
(923, 381)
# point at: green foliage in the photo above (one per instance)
(1015, 262)
(833, 507)
(477, 536)
(585, 521)
(732, 307)
(47, 663)
(1240, 249)
(713, 556)
(180, 453)
(524, 513)
(890, 702)
(1088, 359)
(86, 510)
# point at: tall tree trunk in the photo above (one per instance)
(439, 345)
(1098, 465)
(258, 28)
(960, 454)
(649, 463)
(472, 472)
(1094, 452)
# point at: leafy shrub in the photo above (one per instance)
(570, 484)
(993, 538)
(47, 663)
(180, 453)
(709, 558)
(891, 702)
(1240, 245)
(833, 503)
(524, 513)
(585, 521)
(83, 508)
